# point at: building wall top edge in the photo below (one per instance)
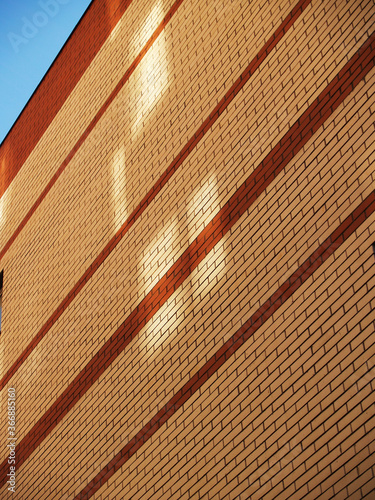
(70, 64)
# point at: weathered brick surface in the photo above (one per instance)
(289, 413)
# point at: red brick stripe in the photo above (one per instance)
(254, 185)
(176, 163)
(332, 243)
(91, 126)
(81, 48)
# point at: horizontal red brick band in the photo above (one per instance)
(247, 193)
(173, 167)
(286, 290)
(91, 126)
(81, 47)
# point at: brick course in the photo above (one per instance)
(227, 175)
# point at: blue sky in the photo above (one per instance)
(32, 32)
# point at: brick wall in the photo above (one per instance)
(188, 302)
